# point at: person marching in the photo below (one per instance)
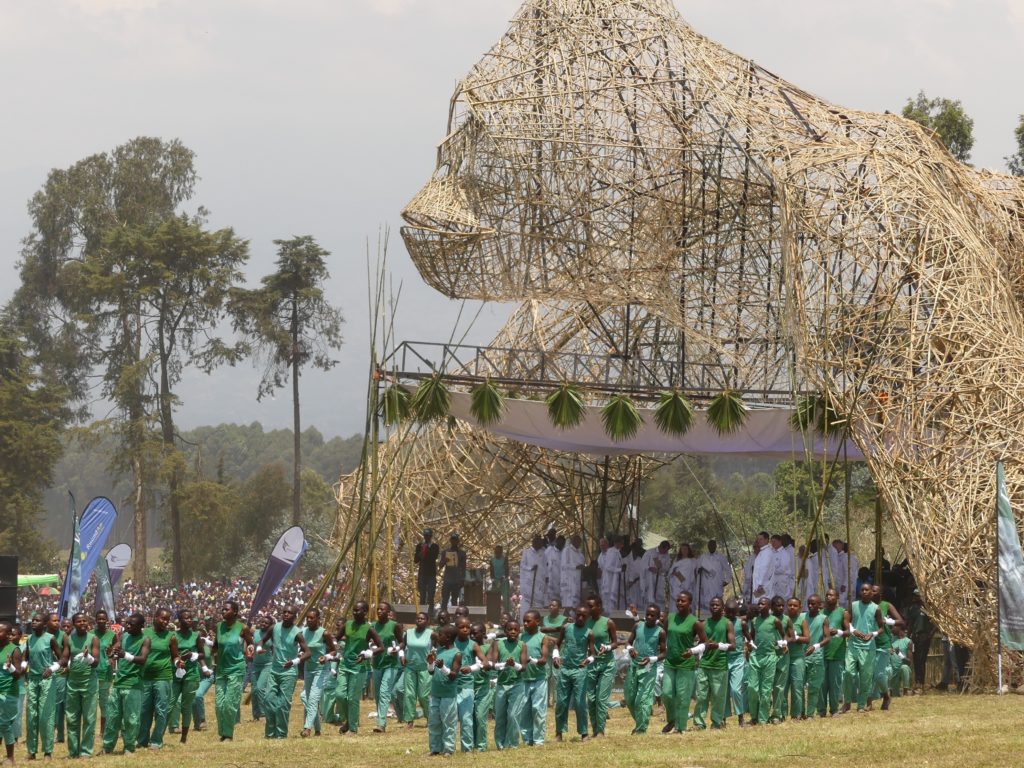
(59, 629)
(130, 649)
(864, 622)
(385, 664)
(902, 660)
(533, 720)
(289, 651)
(82, 650)
(797, 648)
(883, 650)
(10, 672)
(600, 672)
(156, 680)
(315, 673)
(472, 661)
(713, 673)
(361, 642)
(838, 619)
(21, 643)
(574, 653)
(762, 643)
(104, 670)
(230, 646)
(444, 666)
(191, 659)
(506, 658)
(45, 658)
(685, 643)
(499, 576)
(483, 691)
(413, 658)
(646, 648)
(260, 673)
(551, 625)
(818, 638)
(781, 680)
(737, 663)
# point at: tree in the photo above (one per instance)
(290, 324)
(266, 497)
(947, 119)
(210, 511)
(1016, 160)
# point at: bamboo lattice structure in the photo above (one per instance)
(603, 154)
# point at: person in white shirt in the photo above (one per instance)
(748, 572)
(713, 574)
(532, 576)
(609, 563)
(635, 582)
(840, 578)
(853, 564)
(784, 578)
(553, 569)
(764, 569)
(682, 574)
(571, 568)
(656, 564)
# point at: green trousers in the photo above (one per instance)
(384, 690)
(797, 681)
(572, 693)
(104, 694)
(713, 691)
(638, 690)
(832, 688)
(156, 703)
(814, 674)
(900, 678)
(483, 701)
(417, 691)
(39, 716)
(260, 681)
(279, 693)
(60, 690)
(313, 681)
(80, 706)
(199, 705)
(464, 717)
(227, 700)
(534, 717)
(859, 674)
(508, 707)
(882, 669)
(8, 718)
(761, 667)
(677, 688)
(350, 688)
(737, 704)
(600, 676)
(183, 694)
(123, 709)
(328, 704)
(442, 723)
(780, 685)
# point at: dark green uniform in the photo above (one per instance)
(572, 679)
(600, 675)
(761, 665)
(185, 683)
(508, 698)
(814, 664)
(642, 675)
(835, 664)
(713, 676)
(352, 673)
(442, 717)
(8, 695)
(156, 688)
(283, 676)
(314, 678)
(230, 677)
(125, 697)
(385, 669)
(860, 654)
(82, 690)
(680, 679)
(41, 694)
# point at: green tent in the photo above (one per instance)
(29, 580)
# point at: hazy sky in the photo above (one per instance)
(321, 117)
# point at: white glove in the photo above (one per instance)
(8, 667)
(816, 646)
(334, 671)
(80, 656)
(725, 646)
(652, 659)
(876, 633)
(401, 654)
(782, 643)
(902, 657)
(753, 645)
(890, 621)
(555, 654)
(24, 665)
(533, 661)
(518, 666)
(629, 648)
(500, 665)
(193, 656)
(588, 660)
(206, 670)
(476, 666)
(444, 670)
(259, 649)
(55, 667)
(295, 661)
(89, 658)
(492, 635)
(179, 673)
(392, 650)
(698, 649)
(208, 641)
(840, 632)
(604, 648)
(366, 654)
(128, 656)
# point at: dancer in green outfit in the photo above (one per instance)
(10, 672)
(818, 639)
(104, 670)
(385, 664)
(883, 648)
(762, 643)
(533, 719)
(361, 642)
(59, 629)
(232, 645)
(289, 651)
(601, 672)
(835, 654)
(797, 667)
(130, 651)
(472, 661)
(864, 625)
(260, 674)
(685, 644)
(646, 648)
(574, 653)
(506, 657)
(444, 666)
(781, 680)
(551, 625)
(484, 681)
(45, 658)
(737, 663)
(316, 672)
(21, 643)
(157, 675)
(713, 673)
(328, 703)
(413, 658)
(187, 674)
(902, 660)
(82, 649)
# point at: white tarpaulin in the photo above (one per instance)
(767, 432)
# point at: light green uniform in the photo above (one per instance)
(105, 670)
(60, 691)
(780, 684)
(8, 695)
(183, 689)
(680, 680)
(713, 676)
(83, 687)
(508, 697)
(260, 674)
(835, 664)
(534, 717)
(642, 674)
(737, 663)
(229, 677)
(860, 654)
(464, 696)
(281, 687)
(41, 694)
(572, 679)
(883, 654)
(797, 672)
(899, 664)
(600, 675)
(558, 623)
(156, 688)
(442, 715)
(417, 679)
(385, 669)
(314, 678)
(761, 666)
(483, 699)
(814, 665)
(352, 672)
(125, 702)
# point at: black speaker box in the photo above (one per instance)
(8, 571)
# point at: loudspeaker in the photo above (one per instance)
(8, 588)
(8, 571)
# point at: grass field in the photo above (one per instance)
(934, 730)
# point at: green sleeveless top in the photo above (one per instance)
(482, 678)
(862, 618)
(816, 631)
(647, 641)
(386, 632)
(158, 664)
(129, 674)
(787, 624)
(798, 647)
(317, 647)
(498, 565)
(79, 670)
(737, 635)
(465, 647)
(599, 627)
(836, 648)
(681, 638)
(40, 654)
(187, 644)
(285, 648)
(417, 644)
(717, 631)
(575, 645)
(884, 640)
(766, 635)
(900, 645)
(230, 653)
(441, 685)
(534, 644)
(104, 668)
(263, 660)
(8, 685)
(556, 623)
(509, 652)
(356, 641)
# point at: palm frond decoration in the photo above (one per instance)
(673, 414)
(621, 419)
(818, 413)
(727, 413)
(432, 400)
(566, 408)
(396, 401)
(486, 403)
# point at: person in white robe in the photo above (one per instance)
(609, 563)
(784, 577)
(764, 569)
(532, 577)
(635, 583)
(682, 574)
(571, 569)
(713, 575)
(553, 569)
(656, 564)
